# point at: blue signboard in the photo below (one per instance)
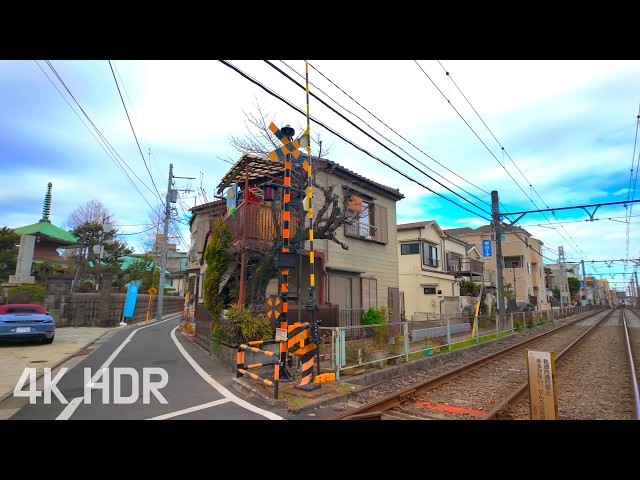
(130, 302)
(486, 248)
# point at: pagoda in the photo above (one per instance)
(39, 242)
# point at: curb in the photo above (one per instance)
(4, 396)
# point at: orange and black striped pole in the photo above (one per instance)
(285, 135)
(284, 285)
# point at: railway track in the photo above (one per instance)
(596, 357)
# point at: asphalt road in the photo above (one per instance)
(147, 372)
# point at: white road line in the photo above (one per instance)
(191, 409)
(75, 403)
(221, 389)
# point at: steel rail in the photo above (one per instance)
(395, 399)
(522, 391)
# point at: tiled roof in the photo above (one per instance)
(260, 167)
(409, 226)
(46, 229)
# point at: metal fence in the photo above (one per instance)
(353, 349)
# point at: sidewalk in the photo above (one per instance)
(69, 342)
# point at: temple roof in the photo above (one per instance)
(49, 231)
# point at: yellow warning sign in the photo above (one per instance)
(152, 291)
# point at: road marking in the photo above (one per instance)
(221, 389)
(75, 403)
(191, 409)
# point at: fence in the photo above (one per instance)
(352, 349)
(83, 309)
(272, 361)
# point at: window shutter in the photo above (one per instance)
(381, 223)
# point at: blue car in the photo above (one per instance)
(26, 321)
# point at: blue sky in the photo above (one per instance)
(544, 134)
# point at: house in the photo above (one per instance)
(355, 261)
(559, 275)
(176, 265)
(200, 223)
(523, 267)
(430, 266)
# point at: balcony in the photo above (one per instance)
(364, 231)
(258, 225)
(464, 265)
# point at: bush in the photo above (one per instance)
(373, 316)
(26, 294)
(253, 327)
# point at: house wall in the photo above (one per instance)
(364, 259)
(528, 282)
(414, 277)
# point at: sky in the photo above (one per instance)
(557, 139)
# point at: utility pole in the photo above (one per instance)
(499, 260)
(583, 288)
(564, 286)
(172, 197)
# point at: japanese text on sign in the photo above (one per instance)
(542, 389)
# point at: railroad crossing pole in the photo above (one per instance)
(299, 335)
(284, 153)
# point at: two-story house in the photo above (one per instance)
(523, 267)
(431, 265)
(559, 276)
(202, 217)
(355, 261)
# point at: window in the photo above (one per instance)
(368, 221)
(429, 290)
(409, 248)
(430, 255)
(513, 262)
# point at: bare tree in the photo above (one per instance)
(260, 140)
(331, 212)
(156, 227)
(93, 211)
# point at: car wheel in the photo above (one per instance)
(48, 340)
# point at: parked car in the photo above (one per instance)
(26, 322)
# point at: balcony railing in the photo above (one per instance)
(260, 224)
(361, 230)
(465, 265)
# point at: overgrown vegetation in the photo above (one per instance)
(241, 325)
(216, 257)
